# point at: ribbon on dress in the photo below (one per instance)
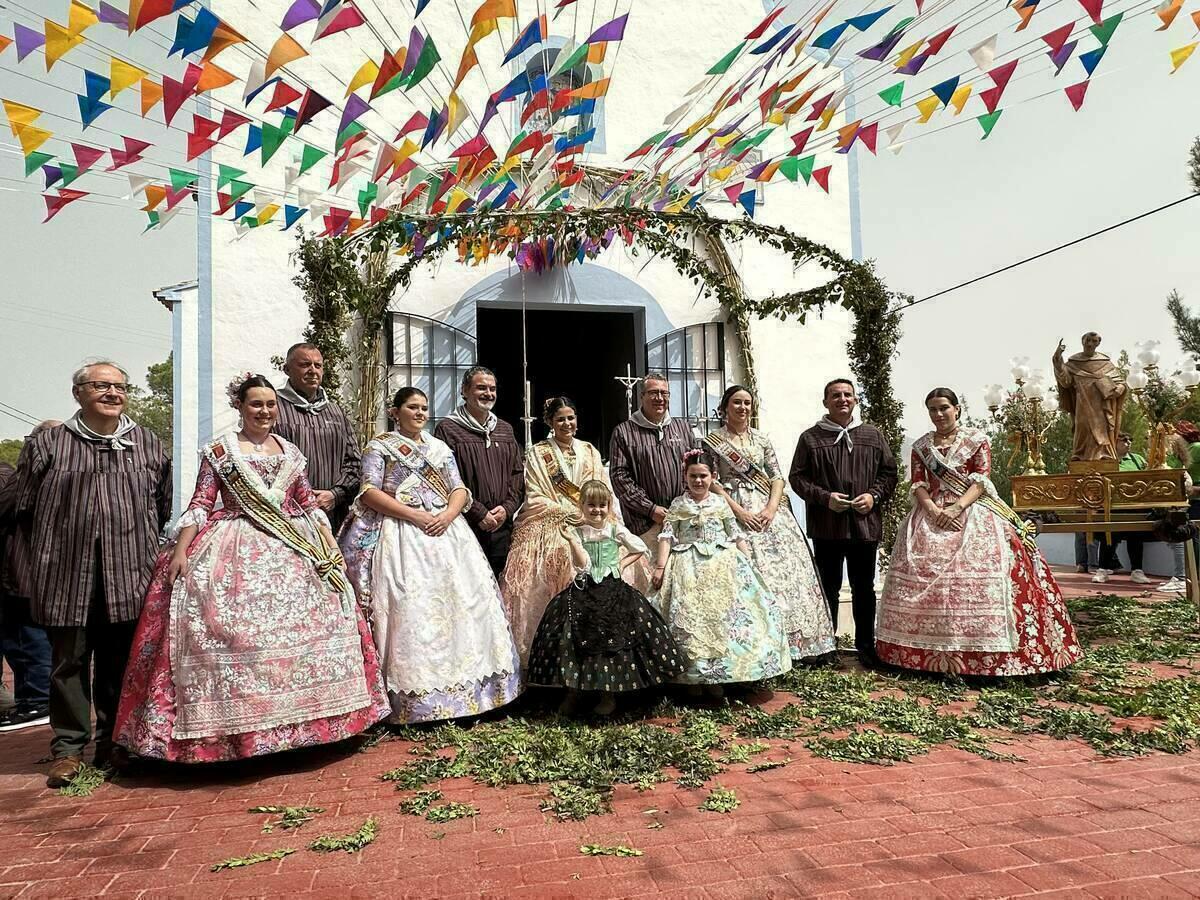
(408, 454)
(742, 465)
(558, 477)
(251, 495)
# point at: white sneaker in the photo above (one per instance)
(1174, 586)
(1137, 576)
(1101, 576)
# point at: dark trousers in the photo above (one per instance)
(859, 560)
(26, 648)
(1134, 545)
(75, 651)
(495, 545)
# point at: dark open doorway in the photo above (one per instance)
(573, 351)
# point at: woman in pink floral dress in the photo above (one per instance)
(250, 641)
(967, 590)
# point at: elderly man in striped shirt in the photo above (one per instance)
(94, 493)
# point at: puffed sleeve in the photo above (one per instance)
(979, 467)
(204, 497)
(453, 478)
(771, 462)
(306, 498)
(918, 474)
(372, 469)
(629, 540)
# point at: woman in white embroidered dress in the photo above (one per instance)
(539, 565)
(250, 641)
(435, 607)
(967, 590)
(756, 488)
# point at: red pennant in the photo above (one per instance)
(379, 214)
(991, 98)
(938, 40)
(86, 157)
(819, 107)
(284, 95)
(403, 169)
(203, 127)
(476, 145)
(562, 99)
(868, 134)
(821, 177)
(541, 100)
(196, 144)
(312, 104)
(231, 122)
(174, 197)
(1059, 36)
(54, 205)
(762, 26)
(1075, 93)
(799, 140)
(1092, 7)
(150, 11)
(131, 153)
(386, 159)
(224, 203)
(416, 122)
(534, 141)
(347, 17)
(1001, 74)
(389, 68)
(176, 92)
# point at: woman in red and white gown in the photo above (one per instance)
(967, 590)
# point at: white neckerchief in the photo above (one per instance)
(842, 433)
(640, 419)
(115, 441)
(319, 401)
(464, 418)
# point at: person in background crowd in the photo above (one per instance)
(319, 427)
(250, 641)
(94, 492)
(1134, 540)
(643, 460)
(23, 645)
(439, 624)
(967, 590)
(490, 462)
(1183, 452)
(755, 487)
(844, 472)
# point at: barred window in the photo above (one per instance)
(429, 355)
(693, 359)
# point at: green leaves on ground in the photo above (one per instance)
(238, 862)
(350, 843)
(600, 850)
(290, 817)
(721, 800)
(83, 783)
(420, 802)
(447, 812)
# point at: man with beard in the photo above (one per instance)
(319, 427)
(490, 462)
(646, 460)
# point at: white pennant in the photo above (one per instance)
(984, 53)
(307, 196)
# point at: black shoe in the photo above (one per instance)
(25, 717)
(111, 757)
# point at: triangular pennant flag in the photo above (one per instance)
(110, 15)
(1060, 56)
(610, 31)
(1104, 31)
(1025, 10)
(959, 100)
(984, 53)
(122, 75)
(722, 65)
(1075, 93)
(81, 17)
(827, 39)
(893, 133)
(213, 77)
(1001, 74)
(988, 122)
(790, 168)
(152, 93)
(95, 85)
(299, 12)
(200, 33)
(533, 34)
(58, 42)
(867, 136)
(53, 175)
(425, 62)
(939, 40)
(894, 95)
(355, 107)
(19, 114)
(928, 107)
(27, 40)
(1091, 59)
(284, 51)
(55, 204)
(846, 135)
(284, 95)
(821, 177)
(366, 74)
(1092, 8)
(181, 178)
(149, 11)
(747, 200)
(85, 156)
(239, 189)
(226, 174)
(391, 73)
(310, 157)
(945, 90)
(1059, 36)
(230, 122)
(35, 161)
(291, 215)
(343, 19)
(253, 140)
(131, 153)
(1180, 56)
(273, 137)
(223, 38)
(312, 104)
(1167, 11)
(90, 110)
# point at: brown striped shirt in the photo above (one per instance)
(8, 497)
(328, 443)
(821, 467)
(495, 475)
(83, 502)
(645, 471)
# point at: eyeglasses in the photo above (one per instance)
(658, 393)
(103, 387)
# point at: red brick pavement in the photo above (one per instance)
(1064, 823)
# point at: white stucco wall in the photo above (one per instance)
(256, 311)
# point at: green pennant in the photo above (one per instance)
(578, 55)
(1104, 31)
(250, 221)
(311, 156)
(153, 217)
(435, 184)
(272, 139)
(227, 174)
(428, 59)
(35, 161)
(790, 168)
(805, 167)
(554, 189)
(181, 179)
(894, 95)
(513, 146)
(556, 204)
(988, 121)
(366, 197)
(354, 128)
(748, 143)
(392, 83)
(902, 24)
(238, 189)
(70, 172)
(726, 61)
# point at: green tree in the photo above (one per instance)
(1187, 326)
(153, 407)
(10, 449)
(1194, 165)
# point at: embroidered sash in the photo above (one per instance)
(558, 477)
(1026, 530)
(409, 455)
(742, 465)
(262, 507)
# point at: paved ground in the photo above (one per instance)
(1065, 823)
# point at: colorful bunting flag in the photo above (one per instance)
(1167, 11)
(285, 50)
(984, 53)
(1180, 55)
(339, 19)
(927, 107)
(27, 40)
(821, 177)
(1092, 8)
(59, 41)
(1104, 31)
(1076, 92)
(56, 203)
(988, 122)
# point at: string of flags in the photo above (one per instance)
(348, 165)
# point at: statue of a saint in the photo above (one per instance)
(1091, 389)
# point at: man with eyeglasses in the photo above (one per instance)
(94, 493)
(646, 460)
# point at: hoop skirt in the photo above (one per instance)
(252, 652)
(975, 601)
(715, 603)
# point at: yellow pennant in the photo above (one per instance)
(491, 10)
(456, 114)
(959, 98)
(776, 118)
(268, 213)
(31, 137)
(508, 166)
(827, 115)
(928, 107)
(58, 41)
(123, 75)
(81, 18)
(19, 114)
(1180, 56)
(407, 149)
(908, 53)
(722, 173)
(366, 74)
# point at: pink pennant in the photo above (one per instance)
(347, 17)
(1076, 92)
(821, 177)
(991, 98)
(799, 140)
(1092, 7)
(230, 122)
(868, 134)
(1001, 74)
(131, 154)
(174, 197)
(86, 157)
(416, 122)
(55, 205)
(734, 191)
(176, 92)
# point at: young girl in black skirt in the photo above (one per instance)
(600, 634)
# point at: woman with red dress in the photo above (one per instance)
(967, 590)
